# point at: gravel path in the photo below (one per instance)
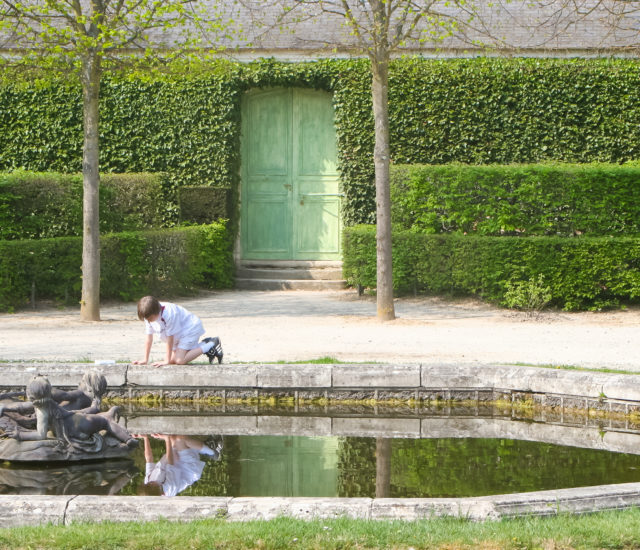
(303, 325)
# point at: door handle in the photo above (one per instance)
(288, 186)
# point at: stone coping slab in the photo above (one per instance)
(38, 509)
(32, 510)
(338, 377)
(596, 436)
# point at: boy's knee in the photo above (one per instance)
(181, 361)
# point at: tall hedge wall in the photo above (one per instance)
(478, 111)
(165, 263)
(524, 199)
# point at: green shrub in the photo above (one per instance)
(45, 205)
(170, 262)
(203, 204)
(555, 199)
(581, 273)
(530, 296)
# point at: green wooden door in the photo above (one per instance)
(290, 198)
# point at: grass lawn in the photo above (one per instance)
(619, 529)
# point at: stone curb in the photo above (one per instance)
(38, 509)
(340, 377)
(16, 510)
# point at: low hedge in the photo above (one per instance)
(203, 204)
(168, 262)
(525, 199)
(581, 272)
(45, 205)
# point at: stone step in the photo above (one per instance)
(289, 284)
(289, 275)
(290, 264)
(320, 274)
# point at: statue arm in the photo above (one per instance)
(62, 395)
(20, 408)
(42, 427)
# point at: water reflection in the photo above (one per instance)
(456, 453)
(95, 478)
(180, 465)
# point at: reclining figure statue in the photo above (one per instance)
(87, 398)
(61, 434)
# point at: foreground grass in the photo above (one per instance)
(619, 529)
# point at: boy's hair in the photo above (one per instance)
(148, 306)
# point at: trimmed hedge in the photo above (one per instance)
(528, 199)
(45, 205)
(582, 273)
(203, 204)
(170, 262)
(475, 111)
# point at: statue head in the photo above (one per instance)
(39, 391)
(93, 383)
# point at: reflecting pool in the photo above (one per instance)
(453, 456)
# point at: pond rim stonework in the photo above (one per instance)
(610, 393)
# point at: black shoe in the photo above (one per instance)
(216, 350)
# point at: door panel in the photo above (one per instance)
(268, 137)
(317, 205)
(318, 234)
(266, 209)
(290, 196)
(269, 234)
(316, 137)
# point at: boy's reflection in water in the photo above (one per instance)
(180, 466)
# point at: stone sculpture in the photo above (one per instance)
(87, 398)
(61, 434)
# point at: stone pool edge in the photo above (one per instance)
(584, 389)
(610, 391)
(64, 510)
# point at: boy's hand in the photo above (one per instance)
(141, 362)
(160, 363)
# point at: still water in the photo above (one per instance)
(292, 465)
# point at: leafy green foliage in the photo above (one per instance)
(581, 272)
(202, 204)
(166, 262)
(186, 121)
(45, 205)
(465, 467)
(522, 199)
(530, 296)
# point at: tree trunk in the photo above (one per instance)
(383, 467)
(379, 89)
(90, 302)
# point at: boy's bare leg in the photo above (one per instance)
(183, 356)
(182, 442)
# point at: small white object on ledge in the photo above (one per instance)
(103, 362)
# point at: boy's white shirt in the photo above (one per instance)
(174, 320)
(176, 477)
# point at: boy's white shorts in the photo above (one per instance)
(190, 340)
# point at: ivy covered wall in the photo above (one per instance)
(186, 122)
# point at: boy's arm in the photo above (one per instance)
(167, 361)
(147, 350)
(169, 449)
(148, 453)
